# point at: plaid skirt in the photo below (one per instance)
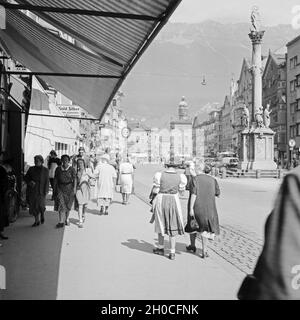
(168, 215)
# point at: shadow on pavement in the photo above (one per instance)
(147, 247)
(31, 257)
(117, 202)
(140, 245)
(94, 212)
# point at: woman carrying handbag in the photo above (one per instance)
(202, 209)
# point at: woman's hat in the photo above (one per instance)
(105, 156)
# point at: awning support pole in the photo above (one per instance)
(59, 74)
(106, 14)
(49, 115)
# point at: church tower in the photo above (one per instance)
(181, 147)
(183, 110)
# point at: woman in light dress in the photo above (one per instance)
(83, 192)
(126, 179)
(106, 180)
(167, 208)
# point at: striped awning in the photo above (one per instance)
(112, 35)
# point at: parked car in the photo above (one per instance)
(229, 162)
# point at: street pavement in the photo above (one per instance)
(243, 207)
(110, 258)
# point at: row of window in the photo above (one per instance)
(295, 130)
(295, 83)
(293, 62)
(295, 106)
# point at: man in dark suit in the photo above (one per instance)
(277, 272)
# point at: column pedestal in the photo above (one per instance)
(258, 149)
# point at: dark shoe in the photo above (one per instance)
(42, 219)
(158, 251)
(191, 248)
(60, 225)
(172, 256)
(36, 224)
(204, 255)
(106, 213)
(101, 210)
(3, 237)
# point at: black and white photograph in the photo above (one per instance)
(149, 152)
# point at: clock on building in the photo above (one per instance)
(125, 132)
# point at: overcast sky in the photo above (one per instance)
(272, 12)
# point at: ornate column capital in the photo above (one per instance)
(256, 36)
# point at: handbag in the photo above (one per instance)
(192, 225)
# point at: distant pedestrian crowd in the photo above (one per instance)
(74, 181)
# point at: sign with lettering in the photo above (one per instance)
(72, 111)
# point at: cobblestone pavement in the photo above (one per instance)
(237, 248)
(236, 245)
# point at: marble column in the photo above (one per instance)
(256, 39)
(258, 140)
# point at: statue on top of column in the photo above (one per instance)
(267, 118)
(255, 19)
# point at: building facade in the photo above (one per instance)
(227, 129)
(139, 142)
(274, 93)
(293, 95)
(109, 135)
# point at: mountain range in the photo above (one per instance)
(178, 60)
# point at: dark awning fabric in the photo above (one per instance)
(117, 43)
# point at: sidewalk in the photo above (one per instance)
(110, 258)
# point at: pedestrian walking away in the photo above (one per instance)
(106, 181)
(64, 190)
(202, 206)
(81, 155)
(126, 179)
(37, 179)
(53, 163)
(189, 173)
(83, 192)
(167, 212)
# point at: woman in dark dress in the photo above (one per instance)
(64, 190)
(37, 180)
(204, 189)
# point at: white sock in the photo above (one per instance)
(160, 246)
(172, 250)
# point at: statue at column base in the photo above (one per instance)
(259, 117)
